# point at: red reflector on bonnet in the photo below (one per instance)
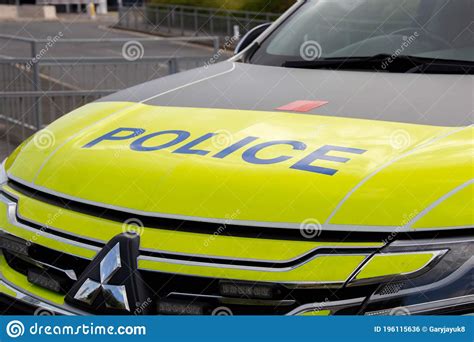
(302, 106)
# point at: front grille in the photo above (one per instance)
(391, 288)
(186, 294)
(56, 270)
(171, 293)
(178, 293)
(168, 289)
(188, 225)
(210, 228)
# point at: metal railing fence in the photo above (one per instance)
(32, 48)
(33, 98)
(36, 91)
(75, 74)
(20, 117)
(191, 21)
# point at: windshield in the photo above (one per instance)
(441, 29)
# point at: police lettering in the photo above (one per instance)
(250, 148)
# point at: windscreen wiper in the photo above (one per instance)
(388, 63)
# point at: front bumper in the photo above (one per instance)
(17, 301)
(311, 277)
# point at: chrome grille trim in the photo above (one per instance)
(326, 306)
(273, 266)
(423, 308)
(26, 297)
(12, 219)
(243, 223)
(70, 273)
(249, 268)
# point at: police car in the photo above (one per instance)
(326, 169)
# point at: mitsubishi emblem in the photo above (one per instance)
(115, 295)
(112, 282)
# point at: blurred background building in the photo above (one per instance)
(276, 6)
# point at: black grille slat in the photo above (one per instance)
(192, 226)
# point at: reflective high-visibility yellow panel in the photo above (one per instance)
(394, 264)
(321, 269)
(36, 150)
(456, 210)
(103, 230)
(37, 237)
(316, 313)
(11, 158)
(20, 281)
(7, 291)
(404, 189)
(203, 186)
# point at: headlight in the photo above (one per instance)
(433, 276)
(442, 285)
(3, 173)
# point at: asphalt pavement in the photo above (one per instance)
(73, 26)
